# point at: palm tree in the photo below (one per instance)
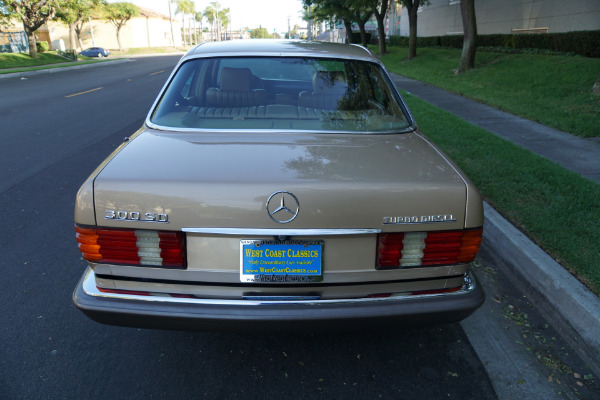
(185, 7)
(224, 18)
(212, 14)
(199, 17)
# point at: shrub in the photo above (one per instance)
(42, 46)
(356, 37)
(584, 43)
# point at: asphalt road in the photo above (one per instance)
(55, 129)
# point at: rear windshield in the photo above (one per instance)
(280, 93)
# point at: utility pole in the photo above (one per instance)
(92, 32)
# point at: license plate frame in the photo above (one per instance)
(273, 261)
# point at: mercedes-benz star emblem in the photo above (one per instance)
(283, 207)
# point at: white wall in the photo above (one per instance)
(442, 17)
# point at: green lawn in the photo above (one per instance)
(553, 90)
(557, 208)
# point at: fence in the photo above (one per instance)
(13, 42)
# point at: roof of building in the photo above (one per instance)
(149, 13)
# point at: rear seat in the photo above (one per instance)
(328, 89)
(235, 90)
(235, 99)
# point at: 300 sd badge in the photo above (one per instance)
(136, 216)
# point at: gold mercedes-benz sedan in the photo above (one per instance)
(278, 185)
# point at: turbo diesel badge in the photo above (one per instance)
(415, 219)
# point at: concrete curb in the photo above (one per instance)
(573, 309)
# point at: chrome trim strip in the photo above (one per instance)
(281, 232)
(89, 287)
(152, 125)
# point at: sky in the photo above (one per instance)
(270, 14)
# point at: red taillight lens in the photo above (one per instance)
(427, 248)
(389, 249)
(132, 246)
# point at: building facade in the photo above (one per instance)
(442, 17)
(149, 29)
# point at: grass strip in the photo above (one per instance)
(558, 209)
(554, 90)
(148, 50)
(22, 60)
(50, 66)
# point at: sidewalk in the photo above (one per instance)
(572, 152)
(572, 308)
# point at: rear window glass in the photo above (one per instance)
(280, 93)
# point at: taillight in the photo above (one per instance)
(132, 246)
(427, 248)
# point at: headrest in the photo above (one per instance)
(236, 79)
(329, 81)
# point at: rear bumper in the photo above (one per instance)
(251, 315)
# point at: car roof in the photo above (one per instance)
(280, 48)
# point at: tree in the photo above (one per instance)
(199, 16)
(349, 11)
(412, 6)
(379, 8)
(192, 18)
(185, 7)
(325, 9)
(74, 14)
(308, 16)
(467, 59)
(118, 14)
(362, 15)
(211, 13)
(6, 15)
(224, 18)
(171, 22)
(260, 33)
(33, 14)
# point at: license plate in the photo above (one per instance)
(292, 261)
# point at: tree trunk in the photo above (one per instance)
(171, 23)
(467, 59)
(363, 34)
(183, 30)
(119, 37)
(380, 17)
(348, 26)
(78, 30)
(412, 36)
(72, 43)
(190, 23)
(381, 33)
(32, 42)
